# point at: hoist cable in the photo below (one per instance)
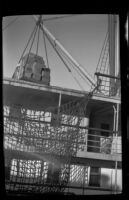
(28, 42)
(45, 47)
(31, 44)
(78, 83)
(71, 63)
(54, 18)
(38, 41)
(102, 57)
(74, 63)
(64, 62)
(10, 23)
(70, 71)
(66, 58)
(75, 68)
(103, 47)
(57, 52)
(61, 57)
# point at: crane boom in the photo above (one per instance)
(60, 46)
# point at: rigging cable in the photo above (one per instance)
(10, 23)
(28, 42)
(54, 18)
(92, 89)
(105, 41)
(76, 71)
(63, 61)
(32, 44)
(74, 63)
(65, 57)
(57, 52)
(47, 19)
(99, 65)
(71, 63)
(78, 83)
(45, 46)
(38, 41)
(53, 45)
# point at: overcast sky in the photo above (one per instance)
(82, 36)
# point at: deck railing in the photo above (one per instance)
(86, 142)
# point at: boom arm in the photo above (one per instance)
(60, 46)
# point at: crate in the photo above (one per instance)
(31, 58)
(37, 68)
(33, 69)
(36, 77)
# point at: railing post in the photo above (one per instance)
(86, 140)
(84, 172)
(59, 104)
(117, 118)
(87, 130)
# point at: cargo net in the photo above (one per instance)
(39, 145)
(108, 85)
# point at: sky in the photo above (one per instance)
(81, 35)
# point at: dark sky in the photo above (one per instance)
(81, 35)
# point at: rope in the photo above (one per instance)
(54, 18)
(102, 50)
(76, 71)
(63, 59)
(10, 23)
(69, 70)
(71, 63)
(59, 54)
(31, 44)
(100, 61)
(78, 82)
(64, 62)
(38, 41)
(45, 48)
(28, 42)
(57, 51)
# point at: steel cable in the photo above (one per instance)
(28, 43)
(45, 48)
(10, 23)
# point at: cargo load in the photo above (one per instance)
(32, 68)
